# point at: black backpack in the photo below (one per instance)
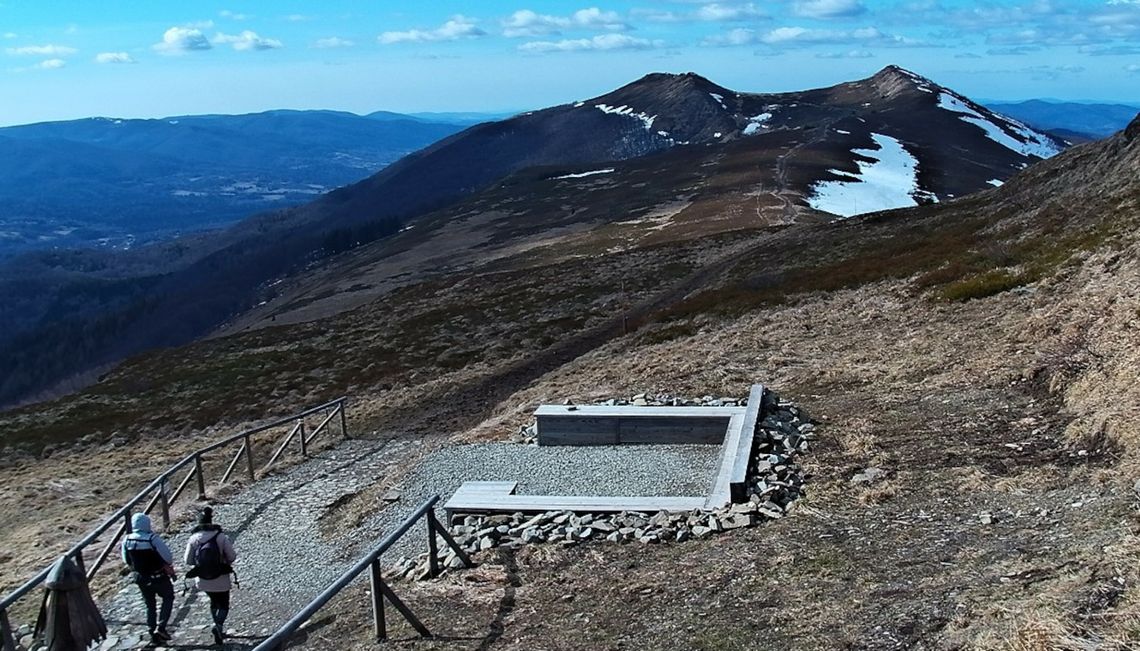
(208, 562)
(145, 561)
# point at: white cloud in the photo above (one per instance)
(51, 64)
(529, 23)
(298, 18)
(247, 41)
(232, 15)
(1132, 68)
(200, 24)
(457, 28)
(55, 51)
(600, 42)
(828, 8)
(712, 12)
(179, 40)
(114, 57)
(850, 54)
(738, 36)
(11, 35)
(332, 42)
(804, 36)
(728, 13)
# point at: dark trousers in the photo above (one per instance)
(152, 588)
(219, 607)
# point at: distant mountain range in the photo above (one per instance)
(118, 183)
(1091, 120)
(892, 140)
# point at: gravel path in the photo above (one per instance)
(631, 470)
(283, 560)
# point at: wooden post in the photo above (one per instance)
(343, 426)
(249, 457)
(433, 551)
(165, 502)
(127, 527)
(7, 640)
(304, 445)
(378, 602)
(201, 476)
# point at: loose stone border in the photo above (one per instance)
(775, 480)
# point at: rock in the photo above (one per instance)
(701, 532)
(391, 496)
(533, 535)
(739, 521)
(683, 535)
(986, 518)
(486, 542)
(869, 475)
(614, 537)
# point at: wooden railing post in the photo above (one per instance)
(343, 425)
(249, 458)
(164, 500)
(127, 525)
(378, 601)
(433, 551)
(7, 640)
(201, 476)
(304, 444)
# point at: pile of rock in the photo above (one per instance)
(775, 481)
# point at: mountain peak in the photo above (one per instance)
(894, 80)
(672, 82)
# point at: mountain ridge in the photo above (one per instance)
(787, 145)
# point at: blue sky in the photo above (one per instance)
(63, 60)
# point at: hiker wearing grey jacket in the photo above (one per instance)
(151, 562)
(216, 583)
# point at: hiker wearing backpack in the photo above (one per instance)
(151, 566)
(211, 554)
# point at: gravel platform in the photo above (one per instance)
(630, 470)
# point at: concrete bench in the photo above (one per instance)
(733, 428)
(495, 497)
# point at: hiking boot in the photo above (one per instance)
(217, 631)
(161, 635)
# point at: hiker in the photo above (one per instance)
(152, 569)
(211, 554)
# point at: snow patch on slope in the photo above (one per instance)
(889, 181)
(1031, 143)
(720, 100)
(756, 122)
(579, 175)
(647, 120)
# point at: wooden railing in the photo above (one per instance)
(158, 493)
(381, 591)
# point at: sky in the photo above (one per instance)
(64, 60)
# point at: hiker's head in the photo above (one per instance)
(140, 522)
(207, 516)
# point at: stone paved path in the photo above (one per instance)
(282, 560)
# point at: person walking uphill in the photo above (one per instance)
(211, 553)
(151, 562)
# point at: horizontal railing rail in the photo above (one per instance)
(380, 590)
(162, 497)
